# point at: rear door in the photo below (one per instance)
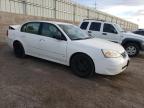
(30, 36)
(95, 29)
(84, 26)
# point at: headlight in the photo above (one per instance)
(111, 54)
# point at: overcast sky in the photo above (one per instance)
(132, 10)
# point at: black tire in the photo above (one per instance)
(18, 50)
(82, 65)
(132, 49)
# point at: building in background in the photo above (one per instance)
(62, 10)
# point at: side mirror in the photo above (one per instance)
(59, 36)
(114, 31)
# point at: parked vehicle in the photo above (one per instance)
(113, 32)
(67, 44)
(139, 32)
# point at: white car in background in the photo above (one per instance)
(133, 43)
(67, 44)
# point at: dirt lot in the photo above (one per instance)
(36, 83)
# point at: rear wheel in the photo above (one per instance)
(82, 65)
(132, 49)
(18, 50)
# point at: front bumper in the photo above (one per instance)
(112, 66)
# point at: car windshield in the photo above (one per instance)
(73, 32)
(119, 28)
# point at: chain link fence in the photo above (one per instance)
(60, 9)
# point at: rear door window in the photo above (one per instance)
(95, 26)
(84, 25)
(32, 27)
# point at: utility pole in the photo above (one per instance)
(95, 4)
(55, 9)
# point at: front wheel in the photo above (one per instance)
(132, 49)
(82, 65)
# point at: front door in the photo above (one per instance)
(110, 33)
(50, 47)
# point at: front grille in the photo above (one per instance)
(124, 54)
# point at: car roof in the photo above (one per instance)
(53, 22)
(94, 20)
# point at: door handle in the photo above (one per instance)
(104, 33)
(90, 33)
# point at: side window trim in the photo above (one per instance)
(95, 30)
(30, 23)
(86, 25)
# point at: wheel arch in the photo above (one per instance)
(18, 42)
(131, 40)
(76, 53)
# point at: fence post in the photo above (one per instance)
(111, 19)
(74, 13)
(24, 7)
(42, 8)
(98, 16)
(0, 5)
(88, 14)
(54, 9)
(116, 21)
(105, 17)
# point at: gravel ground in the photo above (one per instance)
(36, 83)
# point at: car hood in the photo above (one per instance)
(101, 44)
(132, 35)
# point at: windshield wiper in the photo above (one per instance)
(78, 39)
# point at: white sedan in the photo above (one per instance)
(66, 44)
